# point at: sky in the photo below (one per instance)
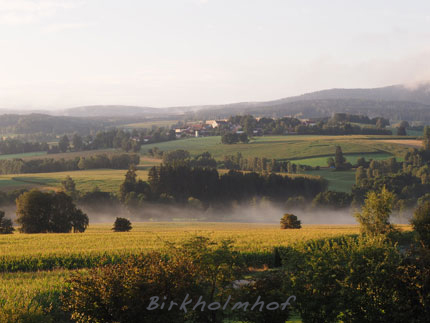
(56, 54)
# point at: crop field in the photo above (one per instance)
(99, 238)
(29, 293)
(289, 147)
(34, 267)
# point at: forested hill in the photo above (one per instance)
(392, 110)
(395, 102)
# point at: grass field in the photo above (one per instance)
(352, 158)
(106, 179)
(337, 181)
(150, 124)
(288, 147)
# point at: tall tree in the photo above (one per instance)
(6, 226)
(64, 144)
(78, 143)
(426, 138)
(69, 187)
(339, 160)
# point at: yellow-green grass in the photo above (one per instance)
(23, 294)
(108, 180)
(322, 161)
(99, 238)
(74, 154)
(150, 124)
(286, 147)
(340, 181)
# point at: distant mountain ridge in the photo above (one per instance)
(398, 102)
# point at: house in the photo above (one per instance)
(216, 123)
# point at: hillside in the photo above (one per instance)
(397, 102)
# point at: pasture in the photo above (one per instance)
(291, 147)
(337, 181)
(107, 180)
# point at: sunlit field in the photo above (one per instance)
(288, 147)
(48, 251)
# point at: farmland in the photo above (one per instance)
(29, 292)
(105, 179)
(99, 238)
(304, 150)
(289, 147)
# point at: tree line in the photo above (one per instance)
(48, 165)
(261, 164)
(18, 146)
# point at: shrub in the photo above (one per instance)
(122, 293)
(421, 223)
(6, 226)
(122, 225)
(268, 288)
(290, 221)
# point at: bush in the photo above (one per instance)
(290, 221)
(6, 226)
(421, 223)
(268, 288)
(122, 225)
(122, 293)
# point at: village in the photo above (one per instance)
(213, 127)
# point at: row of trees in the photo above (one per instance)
(17, 146)
(261, 164)
(129, 141)
(339, 124)
(46, 165)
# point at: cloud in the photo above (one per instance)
(19, 12)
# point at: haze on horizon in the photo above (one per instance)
(64, 53)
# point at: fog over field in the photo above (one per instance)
(262, 213)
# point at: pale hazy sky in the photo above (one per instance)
(64, 53)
